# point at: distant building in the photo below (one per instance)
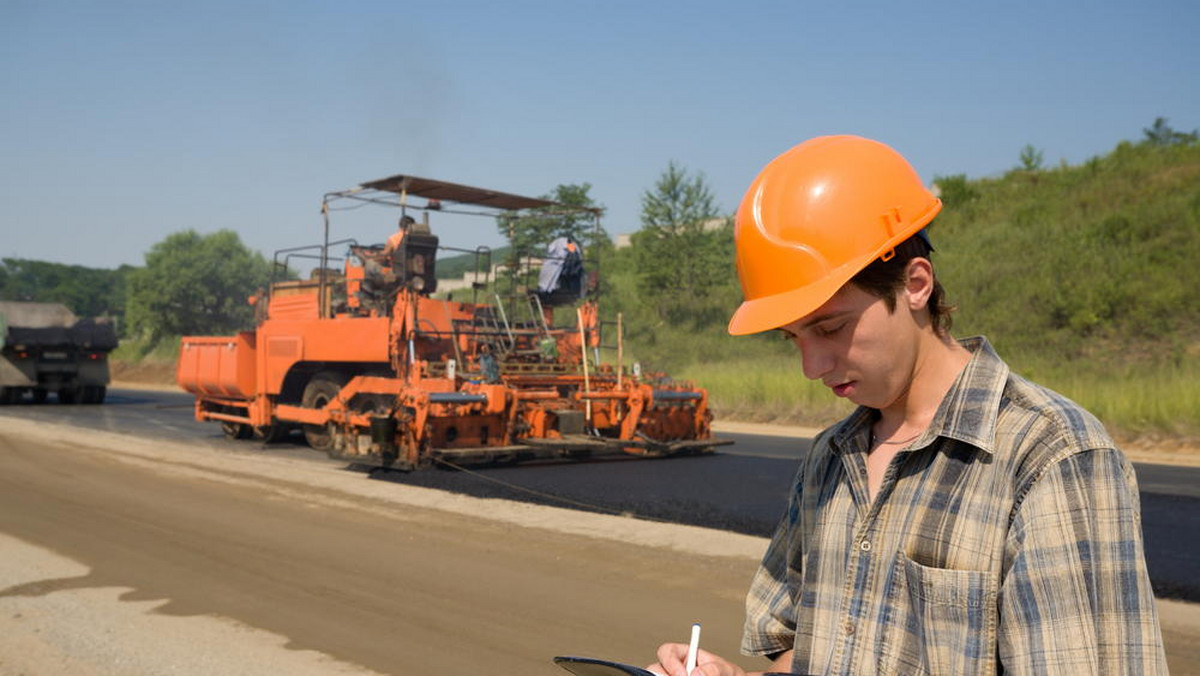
(625, 239)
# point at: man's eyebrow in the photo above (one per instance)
(833, 314)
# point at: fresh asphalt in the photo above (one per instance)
(740, 488)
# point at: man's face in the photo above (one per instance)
(857, 348)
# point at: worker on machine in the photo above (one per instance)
(488, 365)
(380, 268)
(397, 238)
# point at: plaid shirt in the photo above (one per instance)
(1006, 539)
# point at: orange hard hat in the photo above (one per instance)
(815, 217)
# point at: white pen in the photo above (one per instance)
(693, 648)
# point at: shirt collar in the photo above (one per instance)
(968, 412)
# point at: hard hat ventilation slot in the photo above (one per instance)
(891, 219)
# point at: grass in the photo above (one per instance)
(1132, 401)
(137, 360)
(766, 389)
(132, 350)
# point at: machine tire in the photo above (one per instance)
(320, 391)
(236, 431)
(69, 395)
(9, 395)
(93, 394)
(40, 395)
(274, 433)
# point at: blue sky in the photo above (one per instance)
(122, 122)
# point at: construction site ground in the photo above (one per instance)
(126, 555)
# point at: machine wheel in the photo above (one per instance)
(234, 430)
(274, 433)
(93, 394)
(9, 395)
(69, 395)
(317, 394)
(40, 394)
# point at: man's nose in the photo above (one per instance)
(816, 362)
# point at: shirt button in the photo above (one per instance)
(865, 545)
(848, 627)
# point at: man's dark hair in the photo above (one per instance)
(885, 278)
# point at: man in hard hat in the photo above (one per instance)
(962, 519)
(397, 238)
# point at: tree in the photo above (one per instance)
(955, 190)
(684, 250)
(532, 231)
(195, 284)
(1031, 158)
(88, 292)
(1161, 134)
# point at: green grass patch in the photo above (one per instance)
(1131, 400)
(135, 350)
(766, 389)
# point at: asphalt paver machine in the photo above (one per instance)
(377, 367)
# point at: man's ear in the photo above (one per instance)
(918, 283)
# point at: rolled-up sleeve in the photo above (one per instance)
(1076, 595)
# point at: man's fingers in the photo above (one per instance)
(671, 657)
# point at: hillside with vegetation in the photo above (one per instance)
(1083, 277)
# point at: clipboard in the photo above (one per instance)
(588, 666)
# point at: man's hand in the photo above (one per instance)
(672, 657)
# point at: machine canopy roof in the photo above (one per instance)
(452, 192)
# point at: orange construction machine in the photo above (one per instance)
(375, 369)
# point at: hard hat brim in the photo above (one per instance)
(781, 309)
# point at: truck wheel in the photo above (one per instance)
(40, 394)
(275, 432)
(234, 430)
(9, 395)
(94, 394)
(320, 391)
(68, 395)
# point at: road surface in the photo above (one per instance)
(133, 555)
(741, 488)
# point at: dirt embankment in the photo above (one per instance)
(146, 372)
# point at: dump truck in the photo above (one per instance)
(45, 348)
(376, 367)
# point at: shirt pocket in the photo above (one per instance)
(939, 621)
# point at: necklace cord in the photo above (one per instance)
(876, 442)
